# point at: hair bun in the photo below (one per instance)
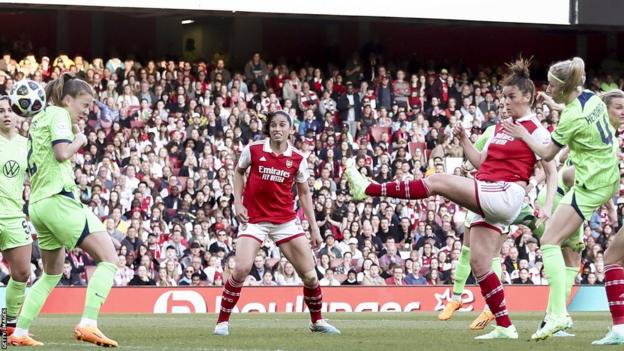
(520, 67)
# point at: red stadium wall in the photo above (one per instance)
(38, 27)
(290, 299)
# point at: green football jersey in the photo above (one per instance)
(584, 126)
(483, 138)
(48, 176)
(13, 162)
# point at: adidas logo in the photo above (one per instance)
(262, 158)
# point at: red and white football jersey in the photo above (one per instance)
(509, 159)
(268, 194)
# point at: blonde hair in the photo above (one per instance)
(66, 84)
(520, 76)
(569, 74)
(607, 98)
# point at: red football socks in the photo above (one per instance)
(408, 189)
(313, 298)
(492, 291)
(614, 285)
(231, 294)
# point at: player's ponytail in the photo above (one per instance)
(519, 75)
(65, 85)
(608, 98)
(569, 75)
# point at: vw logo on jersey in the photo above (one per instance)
(11, 169)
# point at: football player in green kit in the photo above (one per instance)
(59, 217)
(15, 238)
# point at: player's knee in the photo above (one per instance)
(240, 273)
(109, 258)
(432, 181)
(20, 274)
(309, 279)
(479, 266)
(611, 257)
(568, 177)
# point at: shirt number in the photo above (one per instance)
(605, 133)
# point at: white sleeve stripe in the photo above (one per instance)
(245, 158)
(302, 172)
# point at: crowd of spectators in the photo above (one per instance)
(164, 139)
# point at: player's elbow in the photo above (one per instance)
(303, 190)
(550, 151)
(548, 157)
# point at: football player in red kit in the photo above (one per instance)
(495, 195)
(265, 209)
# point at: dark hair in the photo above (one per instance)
(270, 117)
(520, 77)
(67, 84)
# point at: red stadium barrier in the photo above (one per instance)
(290, 299)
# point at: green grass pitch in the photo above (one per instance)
(360, 331)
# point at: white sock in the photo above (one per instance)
(457, 297)
(618, 329)
(486, 308)
(20, 332)
(87, 322)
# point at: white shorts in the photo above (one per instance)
(279, 233)
(499, 204)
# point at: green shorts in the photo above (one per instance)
(14, 232)
(470, 217)
(62, 221)
(585, 202)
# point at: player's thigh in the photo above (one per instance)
(16, 244)
(62, 220)
(460, 190)
(299, 253)
(466, 240)
(53, 261)
(14, 232)
(576, 205)
(99, 246)
(574, 244)
(564, 221)
(484, 243)
(246, 250)
(615, 251)
(45, 239)
(567, 177)
(470, 217)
